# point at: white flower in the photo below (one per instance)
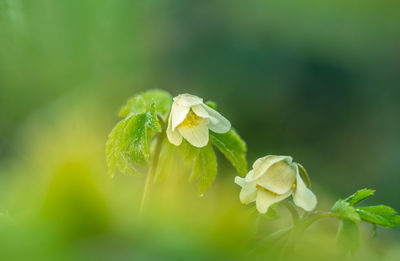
(190, 118)
(273, 179)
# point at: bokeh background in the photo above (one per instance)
(318, 80)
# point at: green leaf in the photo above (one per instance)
(348, 237)
(188, 152)
(204, 168)
(168, 162)
(233, 148)
(343, 210)
(127, 144)
(142, 102)
(360, 196)
(380, 215)
(231, 145)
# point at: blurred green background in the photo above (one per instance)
(318, 80)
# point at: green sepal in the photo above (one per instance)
(343, 210)
(127, 145)
(142, 103)
(304, 175)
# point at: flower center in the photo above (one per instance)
(192, 119)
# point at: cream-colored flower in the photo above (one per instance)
(273, 179)
(191, 119)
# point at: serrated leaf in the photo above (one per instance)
(142, 102)
(348, 237)
(205, 168)
(127, 144)
(233, 148)
(343, 210)
(360, 196)
(380, 215)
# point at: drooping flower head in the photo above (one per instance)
(191, 119)
(273, 179)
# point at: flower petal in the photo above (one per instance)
(173, 135)
(303, 196)
(265, 199)
(261, 165)
(249, 191)
(218, 123)
(200, 111)
(187, 100)
(178, 113)
(240, 181)
(197, 135)
(279, 177)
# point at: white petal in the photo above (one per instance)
(265, 199)
(261, 165)
(200, 111)
(240, 181)
(249, 191)
(197, 135)
(279, 177)
(178, 113)
(173, 135)
(188, 100)
(303, 196)
(218, 123)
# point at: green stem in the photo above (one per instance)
(151, 171)
(293, 211)
(297, 231)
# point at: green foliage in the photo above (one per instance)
(348, 237)
(360, 196)
(127, 143)
(233, 147)
(142, 102)
(380, 215)
(343, 210)
(168, 160)
(203, 162)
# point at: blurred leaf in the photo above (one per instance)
(380, 215)
(167, 161)
(233, 147)
(205, 168)
(343, 210)
(142, 103)
(127, 143)
(188, 152)
(348, 237)
(360, 196)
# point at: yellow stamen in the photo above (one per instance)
(293, 185)
(267, 190)
(192, 119)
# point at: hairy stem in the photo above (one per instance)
(151, 171)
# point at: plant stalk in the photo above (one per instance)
(151, 171)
